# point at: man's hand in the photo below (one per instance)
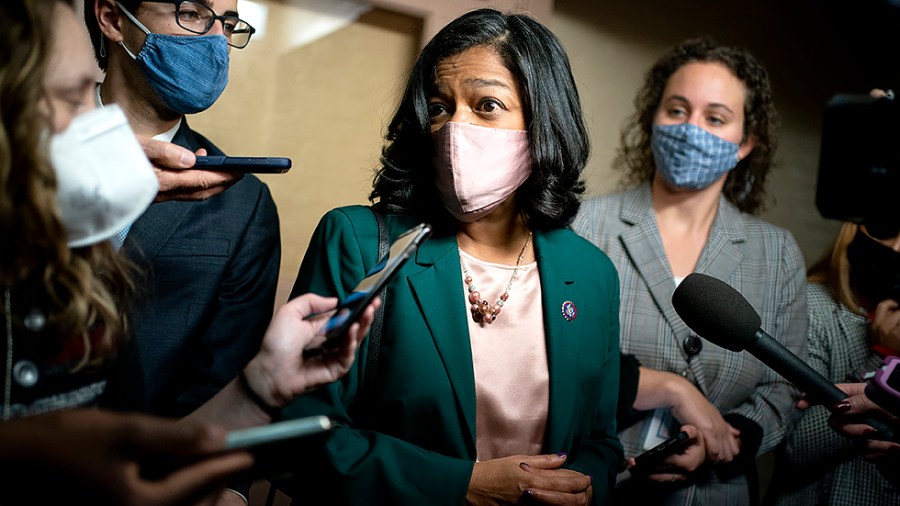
(177, 180)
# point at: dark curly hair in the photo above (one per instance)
(745, 184)
(550, 197)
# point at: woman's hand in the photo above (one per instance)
(91, 455)
(886, 324)
(679, 466)
(661, 389)
(280, 372)
(721, 441)
(539, 478)
(845, 416)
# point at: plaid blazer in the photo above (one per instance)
(758, 259)
(816, 464)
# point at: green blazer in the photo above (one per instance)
(415, 441)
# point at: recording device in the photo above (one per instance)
(884, 386)
(648, 461)
(721, 315)
(255, 164)
(859, 165)
(352, 307)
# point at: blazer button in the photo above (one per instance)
(25, 373)
(692, 345)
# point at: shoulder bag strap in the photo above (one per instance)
(375, 330)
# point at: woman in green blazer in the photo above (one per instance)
(497, 369)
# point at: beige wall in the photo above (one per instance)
(612, 45)
(325, 103)
(322, 104)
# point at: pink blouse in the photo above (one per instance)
(509, 356)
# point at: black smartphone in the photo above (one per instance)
(351, 308)
(255, 164)
(648, 461)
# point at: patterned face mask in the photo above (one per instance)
(187, 72)
(689, 157)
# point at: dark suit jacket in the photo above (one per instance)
(211, 269)
(417, 444)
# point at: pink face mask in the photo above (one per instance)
(478, 168)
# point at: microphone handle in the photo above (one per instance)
(817, 387)
(784, 362)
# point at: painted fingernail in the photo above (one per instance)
(562, 455)
(842, 406)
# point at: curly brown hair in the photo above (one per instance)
(745, 184)
(80, 290)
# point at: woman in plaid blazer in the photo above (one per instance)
(696, 156)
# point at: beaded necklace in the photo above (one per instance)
(482, 310)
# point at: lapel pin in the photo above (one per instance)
(569, 311)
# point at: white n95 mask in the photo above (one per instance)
(104, 180)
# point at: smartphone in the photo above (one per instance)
(352, 307)
(270, 444)
(884, 386)
(277, 432)
(255, 164)
(648, 461)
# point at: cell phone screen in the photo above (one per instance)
(352, 307)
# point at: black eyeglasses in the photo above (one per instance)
(199, 18)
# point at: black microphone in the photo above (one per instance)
(720, 314)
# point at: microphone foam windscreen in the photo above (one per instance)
(716, 311)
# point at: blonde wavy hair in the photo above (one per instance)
(83, 291)
(833, 268)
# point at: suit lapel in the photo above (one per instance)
(557, 273)
(642, 242)
(720, 257)
(439, 293)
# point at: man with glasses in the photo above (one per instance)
(211, 265)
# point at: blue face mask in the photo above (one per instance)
(187, 72)
(688, 156)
